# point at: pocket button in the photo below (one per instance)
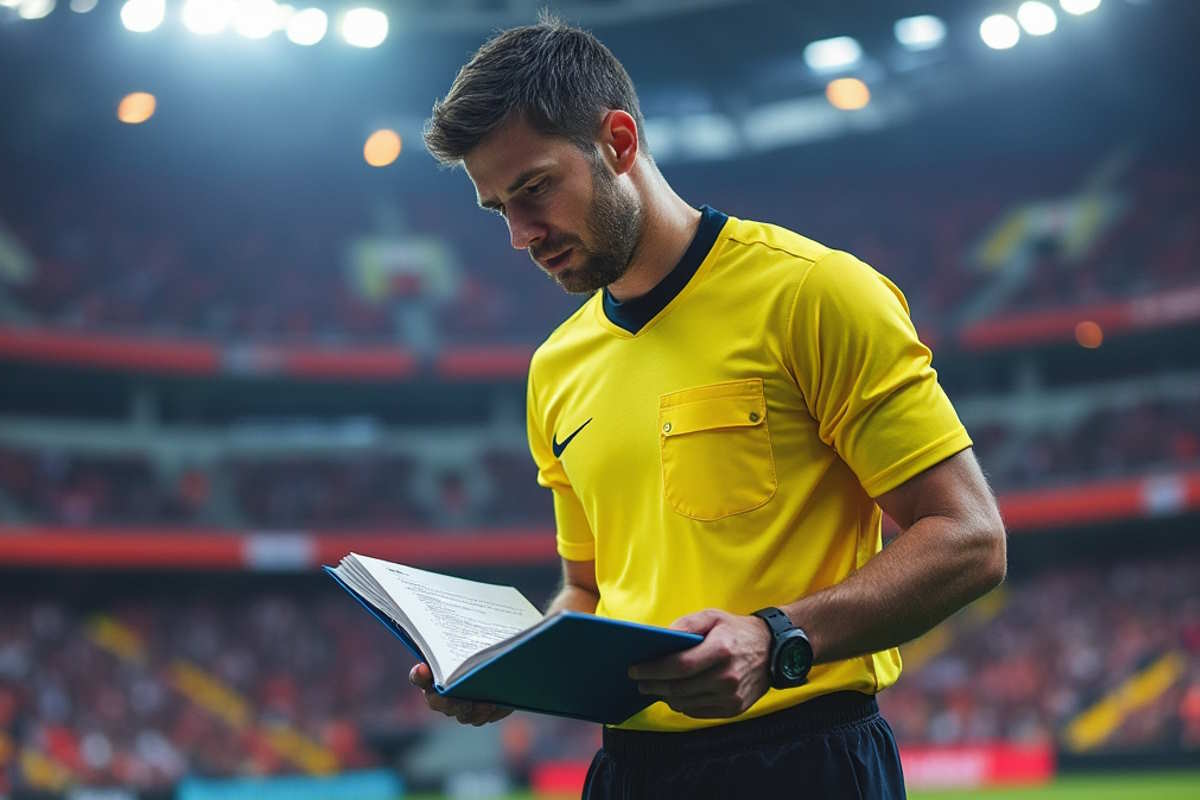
(667, 428)
(754, 416)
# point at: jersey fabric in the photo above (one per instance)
(717, 442)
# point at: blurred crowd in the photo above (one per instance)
(257, 682)
(138, 264)
(1051, 649)
(1109, 442)
(51, 486)
(141, 694)
(496, 486)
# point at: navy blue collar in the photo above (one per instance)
(634, 313)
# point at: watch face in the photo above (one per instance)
(794, 659)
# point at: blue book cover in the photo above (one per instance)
(568, 665)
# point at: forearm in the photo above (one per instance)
(573, 598)
(936, 567)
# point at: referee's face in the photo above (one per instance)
(579, 221)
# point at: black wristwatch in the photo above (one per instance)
(791, 653)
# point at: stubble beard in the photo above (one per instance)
(615, 223)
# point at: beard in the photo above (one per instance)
(615, 222)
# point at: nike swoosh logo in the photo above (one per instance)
(558, 448)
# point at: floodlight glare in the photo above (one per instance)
(83, 6)
(364, 27)
(206, 17)
(1038, 19)
(382, 147)
(136, 107)
(920, 33)
(1000, 32)
(829, 55)
(848, 94)
(255, 19)
(283, 13)
(143, 16)
(1078, 7)
(307, 27)
(10, 3)
(35, 9)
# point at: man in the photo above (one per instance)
(720, 423)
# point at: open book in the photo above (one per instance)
(488, 643)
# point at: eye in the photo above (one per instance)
(535, 189)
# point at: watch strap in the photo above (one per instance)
(778, 622)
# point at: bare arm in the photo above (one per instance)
(951, 550)
(579, 591)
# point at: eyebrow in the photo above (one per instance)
(522, 179)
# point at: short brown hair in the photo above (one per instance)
(559, 79)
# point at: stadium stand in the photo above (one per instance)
(140, 693)
(127, 270)
(1138, 432)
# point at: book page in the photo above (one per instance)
(456, 617)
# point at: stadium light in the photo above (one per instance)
(848, 94)
(382, 148)
(283, 14)
(830, 55)
(35, 9)
(206, 17)
(143, 16)
(364, 27)
(136, 107)
(920, 33)
(307, 27)
(255, 19)
(1038, 19)
(1000, 32)
(10, 3)
(83, 6)
(1089, 334)
(1078, 7)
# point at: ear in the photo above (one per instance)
(619, 140)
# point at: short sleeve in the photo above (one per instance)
(866, 377)
(574, 535)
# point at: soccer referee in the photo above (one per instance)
(721, 424)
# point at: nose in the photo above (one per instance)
(524, 233)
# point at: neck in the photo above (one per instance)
(668, 228)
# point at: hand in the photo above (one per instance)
(465, 711)
(720, 677)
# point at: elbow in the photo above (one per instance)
(992, 565)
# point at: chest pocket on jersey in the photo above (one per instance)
(716, 449)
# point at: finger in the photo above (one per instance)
(709, 682)
(445, 705)
(687, 664)
(420, 675)
(480, 713)
(701, 622)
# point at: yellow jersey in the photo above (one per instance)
(717, 442)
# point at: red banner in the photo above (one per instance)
(191, 548)
(1058, 324)
(975, 766)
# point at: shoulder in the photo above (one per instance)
(772, 244)
(565, 338)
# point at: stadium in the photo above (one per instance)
(248, 325)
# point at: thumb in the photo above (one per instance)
(701, 622)
(419, 675)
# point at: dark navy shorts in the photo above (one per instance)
(834, 746)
